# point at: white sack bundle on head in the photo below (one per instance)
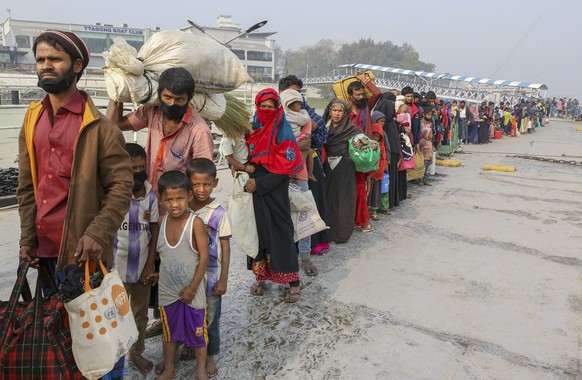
(132, 77)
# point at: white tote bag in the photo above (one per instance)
(242, 217)
(102, 325)
(306, 218)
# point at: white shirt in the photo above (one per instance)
(238, 149)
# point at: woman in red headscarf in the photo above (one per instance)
(275, 154)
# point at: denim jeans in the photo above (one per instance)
(213, 311)
(305, 243)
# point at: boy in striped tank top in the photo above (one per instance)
(202, 175)
(134, 252)
(183, 248)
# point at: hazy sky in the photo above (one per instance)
(534, 41)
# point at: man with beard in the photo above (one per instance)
(176, 135)
(75, 177)
(415, 115)
(361, 116)
(362, 107)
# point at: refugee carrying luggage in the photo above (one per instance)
(340, 86)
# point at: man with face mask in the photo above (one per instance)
(176, 133)
(75, 177)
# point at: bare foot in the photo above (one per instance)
(211, 368)
(201, 372)
(187, 353)
(144, 365)
(160, 367)
(167, 374)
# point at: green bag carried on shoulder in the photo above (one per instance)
(364, 153)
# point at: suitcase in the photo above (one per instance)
(340, 86)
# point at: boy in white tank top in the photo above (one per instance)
(183, 248)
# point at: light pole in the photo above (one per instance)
(251, 29)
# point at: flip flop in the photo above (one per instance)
(258, 289)
(309, 268)
(368, 227)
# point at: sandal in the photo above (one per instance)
(258, 289)
(292, 297)
(375, 217)
(309, 268)
(154, 329)
(368, 227)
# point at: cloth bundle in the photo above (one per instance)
(364, 152)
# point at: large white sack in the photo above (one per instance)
(124, 75)
(213, 66)
(125, 82)
(209, 106)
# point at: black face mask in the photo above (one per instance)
(139, 179)
(359, 102)
(56, 87)
(174, 112)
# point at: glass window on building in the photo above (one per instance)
(100, 42)
(260, 73)
(96, 42)
(264, 56)
(239, 53)
(135, 41)
(23, 42)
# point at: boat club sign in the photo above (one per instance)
(112, 29)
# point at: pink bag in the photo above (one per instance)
(409, 164)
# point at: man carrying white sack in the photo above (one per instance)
(176, 135)
(176, 132)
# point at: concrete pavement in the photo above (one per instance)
(476, 277)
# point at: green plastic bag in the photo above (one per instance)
(366, 156)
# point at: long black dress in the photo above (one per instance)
(318, 191)
(386, 106)
(273, 218)
(340, 176)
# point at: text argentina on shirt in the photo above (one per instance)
(126, 226)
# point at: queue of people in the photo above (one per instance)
(84, 194)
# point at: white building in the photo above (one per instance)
(256, 49)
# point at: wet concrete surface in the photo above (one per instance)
(476, 277)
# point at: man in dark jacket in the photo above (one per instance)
(75, 177)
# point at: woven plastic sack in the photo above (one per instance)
(364, 153)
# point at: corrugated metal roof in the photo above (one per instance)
(424, 74)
